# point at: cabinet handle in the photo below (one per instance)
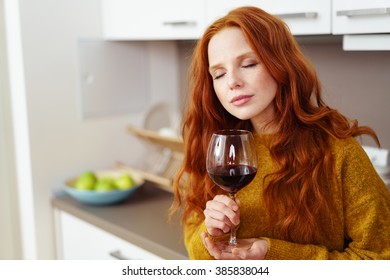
(364, 12)
(180, 23)
(118, 255)
(298, 15)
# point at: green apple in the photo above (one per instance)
(86, 181)
(104, 184)
(124, 182)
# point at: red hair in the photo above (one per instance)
(297, 192)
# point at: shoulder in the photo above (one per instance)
(348, 148)
(351, 162)
(347, 143)
(354, 169)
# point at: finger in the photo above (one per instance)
(215, 249)
(216, 215)
(228, 256)
(223, 214)
(223, 211)
(215, 219)
(240, 253)
(254, 251)
(216, 228)
(221, 252)
(227, 201)
(209, 245)
(203, 235)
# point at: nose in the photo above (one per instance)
(234, 80)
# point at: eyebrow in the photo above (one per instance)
(218, 65)
(214, 67)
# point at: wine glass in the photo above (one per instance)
(232, 164)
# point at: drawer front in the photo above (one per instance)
(304, 17)
(361, 16)
(83, 241)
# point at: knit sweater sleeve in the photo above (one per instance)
(193, 227)
(365, 203)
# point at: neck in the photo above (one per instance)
(263, 127)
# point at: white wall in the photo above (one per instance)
(9, 221)
(357, 83)
(61, 143)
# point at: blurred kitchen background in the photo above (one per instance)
(71, 83)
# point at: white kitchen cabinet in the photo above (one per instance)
(79, 240)
(153, 19)
(304, 17)
(364, 24)
(366, 42)
(361, 16)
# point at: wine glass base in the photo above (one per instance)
(227, 247)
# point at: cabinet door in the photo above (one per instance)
(361, 16)
(152, 19)
(304, 17)
(80, 240)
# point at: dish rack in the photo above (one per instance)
(164, 158)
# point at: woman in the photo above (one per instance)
(316, 194)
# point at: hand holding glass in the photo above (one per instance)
(232, 164)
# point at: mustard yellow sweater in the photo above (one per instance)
(362, 207)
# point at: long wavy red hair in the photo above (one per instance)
(304, 124)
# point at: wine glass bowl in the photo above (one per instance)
(231, 163)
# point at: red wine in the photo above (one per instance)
(232, 178)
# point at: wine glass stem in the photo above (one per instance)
(233, 229)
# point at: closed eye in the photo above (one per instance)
(216, 77)
(250, 65)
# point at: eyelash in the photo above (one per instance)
(249, 65)
(219, 76)
(245, 66)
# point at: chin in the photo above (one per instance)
(243, 117)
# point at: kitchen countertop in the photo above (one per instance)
(142, 220)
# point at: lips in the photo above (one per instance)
(240, 100)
